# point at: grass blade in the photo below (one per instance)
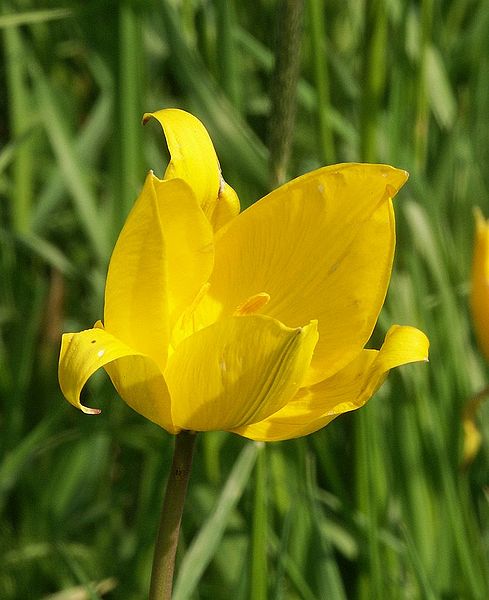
(204, 546)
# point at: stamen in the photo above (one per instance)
(253, 304)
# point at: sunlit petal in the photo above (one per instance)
(237, 371)
(314, 407)
(188, 242)
(194, 160)
(321, 247)
(136, 301)
(162, 257)
(136, 377)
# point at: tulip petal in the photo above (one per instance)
(194, 160)
(135, 376)
(162, 257)
(479, 298)
(227, 206)
(316, 406)
(322, 248)
(237, 371)
(189, 243)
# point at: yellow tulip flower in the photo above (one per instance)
(479, 303)
(251, 322)
(480, 283)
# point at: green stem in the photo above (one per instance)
(368, 502)
(423, 108)
(317, 33)
(259, 540)
(374, 69)
(171, 517)
(284, 86)
(131, 86)
(228, 57)
(20, 124)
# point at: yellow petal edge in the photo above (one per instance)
(316, 406)
(135, 376)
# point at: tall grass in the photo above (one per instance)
(373, 506)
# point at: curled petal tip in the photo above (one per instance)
(90, 411)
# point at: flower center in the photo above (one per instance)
(205, 310)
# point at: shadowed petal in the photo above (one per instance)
(237, 371)
(135, 375)
(189, 243)
(316, 406)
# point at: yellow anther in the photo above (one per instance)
(253, 304)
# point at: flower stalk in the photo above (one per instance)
(171, 517)
(284, 89)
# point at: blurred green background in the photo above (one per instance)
(376, 505)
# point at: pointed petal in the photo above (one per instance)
(237, 371)
(135, 376)
(316, 406)
(194, 160)
(163, 256)
(193, 157)
(321, 247)
(479, 298)
(227, 206)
